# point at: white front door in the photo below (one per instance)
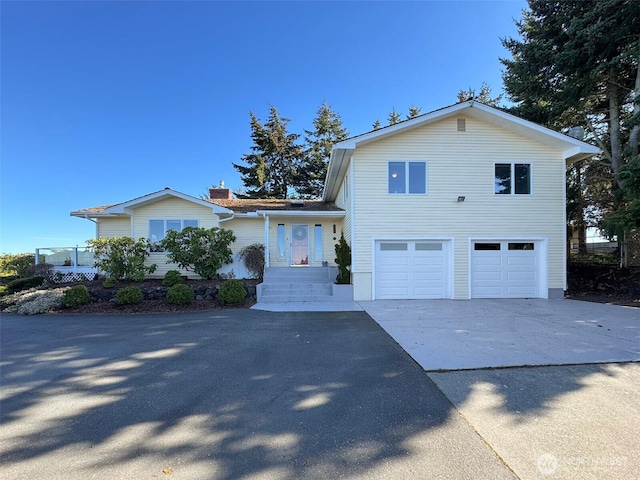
(416, 269)
(299, 244)
(506, 269)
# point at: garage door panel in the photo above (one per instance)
(526, 276)
(411, 269)
(487, 259)
(495, 276)
(529, 260)
(513, 271)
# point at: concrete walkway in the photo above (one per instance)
(453, 335)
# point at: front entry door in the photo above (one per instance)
(299, 244)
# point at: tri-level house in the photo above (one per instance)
(463, 202)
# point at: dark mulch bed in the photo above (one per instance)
(99, 304)
(604, 284)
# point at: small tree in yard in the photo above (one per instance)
(253, 258)
(199, 250)
(343, 260)
(122, 258)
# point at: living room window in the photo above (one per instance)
(159, 228)
(408, 177)
(512, 179)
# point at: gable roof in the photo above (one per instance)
(125, 208)
(572, 149)
(276, 205)
(227, 207)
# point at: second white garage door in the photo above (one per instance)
(506, 269)
(412, 269)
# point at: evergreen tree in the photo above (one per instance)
(394, 117)
(413, 112)
(275, 160)
(483, 96)
(376, 125)
(577, 63)
(327, 130)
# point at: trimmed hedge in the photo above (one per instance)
(232, 291)
(171, 278)
(24, 284)
(76, 296)
(180, 294)
(129, 296)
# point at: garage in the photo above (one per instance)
(415, 269)
(506, 269)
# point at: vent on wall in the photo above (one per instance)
(462, 125)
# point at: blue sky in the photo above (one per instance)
(102, 102)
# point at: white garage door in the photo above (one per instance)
(411, 269)
(505, 269)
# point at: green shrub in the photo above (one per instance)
(199, 250)
(76, 296)
(122, 257)
(180, 294)
(253, 258)
(109, 282)
(24, 284)
(232, 291)
(171, 278)
(343, 260)
(21, 264)
(129, 296)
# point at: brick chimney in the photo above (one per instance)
(220, 193)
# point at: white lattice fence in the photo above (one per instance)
(67, 277)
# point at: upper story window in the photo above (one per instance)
(159, 228)
(512, 178)
(408, 177)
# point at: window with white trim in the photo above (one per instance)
(318, 253)
(512, 179)
(407, 178)
(158, 230)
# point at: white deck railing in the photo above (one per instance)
(69, 263)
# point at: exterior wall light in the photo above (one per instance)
(461, 198)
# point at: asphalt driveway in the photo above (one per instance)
(236, 394)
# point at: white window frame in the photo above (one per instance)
(154, 247)
(407, 180)
(513, 179)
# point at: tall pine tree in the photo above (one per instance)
(272, 168)
(577, 63)
(327, 130)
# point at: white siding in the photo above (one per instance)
(170, 209)
(114, 227)
(459, 163)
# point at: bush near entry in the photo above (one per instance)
(232, 291)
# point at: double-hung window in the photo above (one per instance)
(512, 179)
(408, 177)
(159, 228)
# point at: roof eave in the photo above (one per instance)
(302, 213)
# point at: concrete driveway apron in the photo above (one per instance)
(566, 421)
(459, 334)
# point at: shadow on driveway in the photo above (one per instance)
(225, 395)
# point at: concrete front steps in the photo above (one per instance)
(302, 284)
